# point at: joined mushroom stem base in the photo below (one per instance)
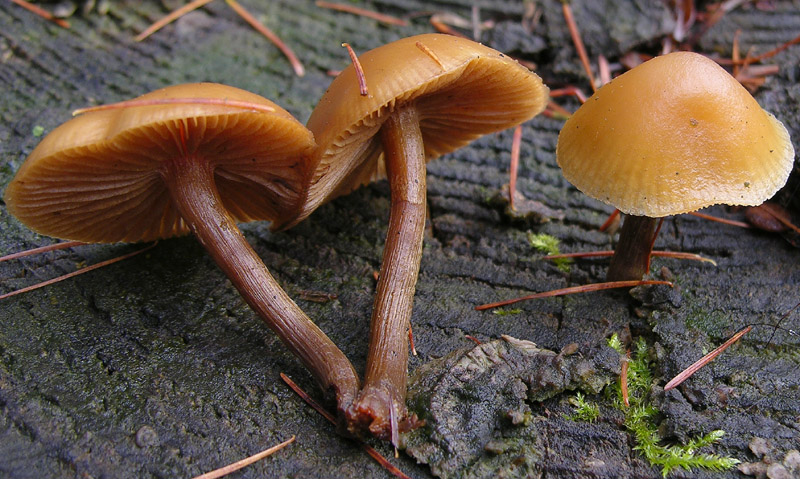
(194, 192)
(631, 260)
(381, 403)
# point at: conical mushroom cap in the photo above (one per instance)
(461, 89)
(675, 134)
(96, 178)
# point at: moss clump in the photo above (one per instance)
(640, 420)
(547, 244)
(585, 411)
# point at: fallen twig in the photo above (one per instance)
(75, 273)
(41, 249)
(262, 29)
(586, 288)
(169, 18)
(224, 471)
(606, 253)
(688, 372)
(342, 7)
(576, 39)
(42, 13)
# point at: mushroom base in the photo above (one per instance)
(631, 260)
(380, 406)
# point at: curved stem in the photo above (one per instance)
(190, 180)
(381, 403)
(631, 260)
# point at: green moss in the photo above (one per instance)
(615, 344)
(585, 411)
(707, 321)
(547, 244)
(544, 243)
(640, 420)
(506, 312)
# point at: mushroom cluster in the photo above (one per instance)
(673, 135)
(202, 157)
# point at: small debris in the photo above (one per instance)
(316, 296)
(525, 211)
(759, 447)
(146, 436)
(362, 80)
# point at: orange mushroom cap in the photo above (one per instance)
(461, 89)
(675, 134)
(96, 177)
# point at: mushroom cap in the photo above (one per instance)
(675, 134)
(462, 91)
(96, 178)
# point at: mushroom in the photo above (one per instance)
(140, 173)
(425, 96)
(673, 135)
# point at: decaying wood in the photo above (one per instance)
(154, 367)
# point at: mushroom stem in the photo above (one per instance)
(381, 403)
(631, 260)
(190, 180)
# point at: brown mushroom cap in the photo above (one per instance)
(461, 90)
(96, 177)
(675, 134)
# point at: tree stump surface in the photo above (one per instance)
(154, 367)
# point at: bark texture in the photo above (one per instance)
(155, 367)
